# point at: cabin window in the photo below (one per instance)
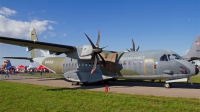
(66, 64)
(140, 62)
(89, 64)
(85, 64)
(79, 64)
(135, 62)
(163, 58)
(63, 65)
(69, 64)
(75, 64)
(82, 64)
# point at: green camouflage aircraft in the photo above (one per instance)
(90, 63)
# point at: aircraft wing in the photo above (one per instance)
(51, 47)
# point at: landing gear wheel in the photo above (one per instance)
(167, 85)
(84, 84)
(75, 83)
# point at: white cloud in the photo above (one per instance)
(7, 12)
(51, 34)
(50, 27)
(64, 34)
(19, 29)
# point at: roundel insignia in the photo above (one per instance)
(198, 43)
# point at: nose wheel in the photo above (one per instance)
(167, 85)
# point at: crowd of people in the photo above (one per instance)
(7, 69)
(34, 71)
(30, 71)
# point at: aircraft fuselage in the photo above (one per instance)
(156, 64)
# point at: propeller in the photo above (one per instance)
(133, 48)
(96, 52)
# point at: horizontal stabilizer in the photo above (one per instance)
(23, 58)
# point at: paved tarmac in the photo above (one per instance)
(141, 88)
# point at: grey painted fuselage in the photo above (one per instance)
(155, 64)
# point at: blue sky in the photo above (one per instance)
(153, 24)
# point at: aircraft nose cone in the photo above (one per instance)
(196, 70)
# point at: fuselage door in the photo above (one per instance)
(149, 66)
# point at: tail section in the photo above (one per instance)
(194, 52)
(37, 52)
(33, 36)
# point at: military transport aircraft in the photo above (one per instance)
(90, 63)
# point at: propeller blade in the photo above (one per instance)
(138, 48)
(98, 39)
(133, 45)
(93, 46)
(104, 47)
(95, 64)
(104, 62)
(128, 50)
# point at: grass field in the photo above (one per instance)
(17, 97)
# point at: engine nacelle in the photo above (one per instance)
(80, 52)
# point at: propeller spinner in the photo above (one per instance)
(96, 52)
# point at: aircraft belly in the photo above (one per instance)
(83, 75)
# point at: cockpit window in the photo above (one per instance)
(163, 58)
(176, 56)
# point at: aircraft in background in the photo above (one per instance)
(31, 67)
(90, 63)
(194, 52)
